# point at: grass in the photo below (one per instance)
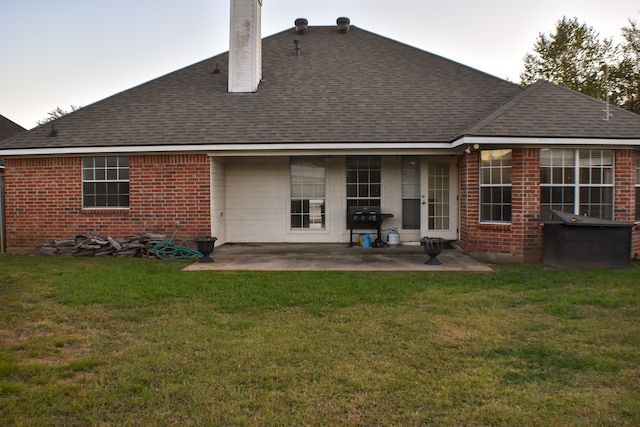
(139, 342)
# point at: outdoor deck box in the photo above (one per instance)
(585, 242)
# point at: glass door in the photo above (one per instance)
(439, 198)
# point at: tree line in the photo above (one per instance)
(575, 56)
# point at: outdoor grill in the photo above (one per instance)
(366, 218)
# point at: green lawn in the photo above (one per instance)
(114, 341)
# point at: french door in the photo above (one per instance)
(439, 197)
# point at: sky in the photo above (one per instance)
(77, 52)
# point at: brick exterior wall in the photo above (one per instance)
(521, 240)
(625, 191)
(44, 199)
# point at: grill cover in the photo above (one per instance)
(584, 242)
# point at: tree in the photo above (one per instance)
(56, 114)
(573, 57)
(627, 72)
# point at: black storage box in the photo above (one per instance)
(585, 242)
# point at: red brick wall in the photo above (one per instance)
(468, 168)
(625, 190)
(525, 211)
(44, 199)
(522, 239)
(519, 241)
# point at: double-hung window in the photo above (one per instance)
(363, 181)
(410, 193)
(576, 181)
(105, 182)
(495, 186)
(307, 193)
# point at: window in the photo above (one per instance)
(495, 186)
(411, 193)
(307, 193)
(363, 181)
(576, 181)
(637, 186)
(105, 182)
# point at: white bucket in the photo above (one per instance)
(393, 238)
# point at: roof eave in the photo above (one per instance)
(337, 147)
(543, 141)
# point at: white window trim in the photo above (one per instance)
(577, 185)
(481, 186)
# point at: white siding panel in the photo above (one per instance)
(218, 200)
(257, 204)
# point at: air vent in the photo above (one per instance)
(302, 26)
(343, 24)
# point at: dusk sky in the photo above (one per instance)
(76, 52)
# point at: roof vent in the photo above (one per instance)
(53, 132)
(343, 24)
(302, 25)
(297, 52)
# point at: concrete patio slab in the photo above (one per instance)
(332, 257)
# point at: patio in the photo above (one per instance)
(332, 257)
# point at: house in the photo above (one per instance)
(277, 139)
(7, 129)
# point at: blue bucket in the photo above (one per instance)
(364, 240)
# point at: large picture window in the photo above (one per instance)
(105, 182)
(363, 181)
(576, 181)
(307, 193)
(410, 193)
(495, 186)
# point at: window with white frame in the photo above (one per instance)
(105, 182)
(307, 193)
(410, 193)
(363, 181)
(637, 186)
(495, 186)
(576, 181)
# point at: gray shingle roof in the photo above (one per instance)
(546, 110)
(354, 87)
(9, 128)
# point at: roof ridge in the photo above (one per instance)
(503, 108)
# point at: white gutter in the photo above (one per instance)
(327, 148)
(482, 140)
(228, 148)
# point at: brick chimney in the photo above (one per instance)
(245, 46)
